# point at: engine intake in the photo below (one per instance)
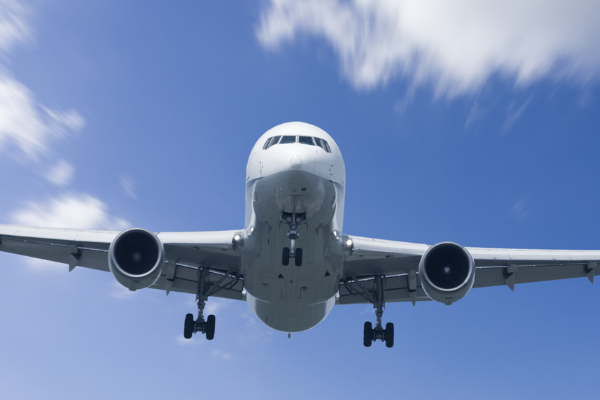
(135, 258)
(447, 272)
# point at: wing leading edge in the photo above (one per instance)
(185, 254)
(398, 262)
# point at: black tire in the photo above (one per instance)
(285, 256)
(188, 326)
(389, 335)
(298, 258)
(368, 334)
(210, 327)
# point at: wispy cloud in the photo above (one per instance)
(475, 114)
(514, 112)
(67, 211)
(222, 355)
(128, 186)
(60, 174)
(118, 291)
(454, 45)
(214, 305)
(14, 25)
(520, 209)
(25, 123)
(70, 210)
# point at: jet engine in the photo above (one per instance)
(135, 258)
(447, 272)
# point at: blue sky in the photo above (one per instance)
(466, 121)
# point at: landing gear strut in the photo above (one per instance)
(293, 220)
(371, 334)
(207, 326)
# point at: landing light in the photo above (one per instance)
(349, 243)
(237, 237)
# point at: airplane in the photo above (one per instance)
(292, 262)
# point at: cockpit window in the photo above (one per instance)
(273, 141)
(266, 146)
(288, 139)
(306, 140)
(300, 139)
(322, 143)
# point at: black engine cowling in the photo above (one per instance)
(447, 272)
(135, 258)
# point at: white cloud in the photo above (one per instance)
(128, 186)
(220, 354)
(455, 45)
(520, 209)
(13, 24)
(24, 122)
(213, 306)
(514, 112)
(27, 124)
(181, 341)
(60, 174)
(119, 291)
(68, 211)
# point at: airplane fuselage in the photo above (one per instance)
(301, 177)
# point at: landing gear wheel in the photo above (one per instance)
(389, 335)
(368, 334)
(210, 327)
(188, 326)
(298, 257)
(285, 256)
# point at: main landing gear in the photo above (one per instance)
(207, 326)
(371, 334)
(293, 220)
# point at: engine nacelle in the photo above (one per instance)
(447, 272)
(135, 258)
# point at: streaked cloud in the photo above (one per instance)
(128, 186)
(520, 209)
(67, 211)
(60, 174)
(25, 123)
(223, 355)
(214, 305)
(70, 210)
(14, 26)
(28, 125)
(118, 291)
(514, 112)
(456, 46)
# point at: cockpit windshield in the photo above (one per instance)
(308, 140)
(287, 139)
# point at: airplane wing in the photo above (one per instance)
(185, 253)
(398, 262)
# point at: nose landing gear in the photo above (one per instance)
(293, 220)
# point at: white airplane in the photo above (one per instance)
(292, 263)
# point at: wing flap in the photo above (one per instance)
(486, 277)
(362, 290)
(223, 284)
(89, 258)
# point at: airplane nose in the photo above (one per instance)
(295, 157)
(296, 161)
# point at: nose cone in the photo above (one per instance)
(296, 161)
(295, 157)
